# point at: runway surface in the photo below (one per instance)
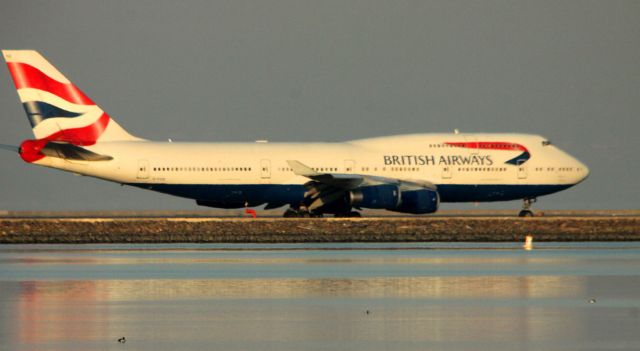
(277, 213)
(285, 230)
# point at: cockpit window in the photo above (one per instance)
(546, 142)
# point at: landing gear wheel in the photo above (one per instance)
(290, 213)
(526, 208)
(300, 213)
(525, 213)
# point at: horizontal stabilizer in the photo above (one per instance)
(71, 152)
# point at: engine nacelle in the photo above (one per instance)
(418, 202)
(389, 197)
(379, 196)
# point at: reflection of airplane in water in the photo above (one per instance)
(41, 305)
(50, 314)
(408, 173)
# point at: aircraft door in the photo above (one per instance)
(143, 169)
(349, 166)
(446, 172)
(522, 170)
(265, 169)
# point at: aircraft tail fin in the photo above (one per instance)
(56, 108)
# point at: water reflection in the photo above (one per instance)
(50, 312)
(384, 287)
(302, 310)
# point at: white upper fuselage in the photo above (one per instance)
(423, 157)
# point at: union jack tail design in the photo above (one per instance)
(56, 108)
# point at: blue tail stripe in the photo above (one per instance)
(37, 111)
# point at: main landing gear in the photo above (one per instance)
(526, 208)
(301, 212)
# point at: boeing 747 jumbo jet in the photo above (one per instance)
(405, 173)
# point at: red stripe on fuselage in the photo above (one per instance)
(489, 145)
(83, 136)
(27, 76)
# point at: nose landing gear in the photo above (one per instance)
(526, 208)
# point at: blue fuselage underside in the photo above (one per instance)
(276, 195)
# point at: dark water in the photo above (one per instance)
(321, 297)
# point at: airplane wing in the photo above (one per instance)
(352, 181)
(339, 180)
(328, 187)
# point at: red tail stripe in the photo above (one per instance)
(83, 136)
(490, 145)
(27, 76)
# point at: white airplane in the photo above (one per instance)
(405, 173)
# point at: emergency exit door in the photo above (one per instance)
(349, 166)
(265, 169)
(143, 169)
(446, 172)
(522, 170)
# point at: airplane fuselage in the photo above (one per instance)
(464, 167)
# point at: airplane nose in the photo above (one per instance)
(583, 171)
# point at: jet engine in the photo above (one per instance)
(392, 198)
(379, 196)
(418, 202)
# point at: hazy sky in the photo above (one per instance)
(333, 71)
